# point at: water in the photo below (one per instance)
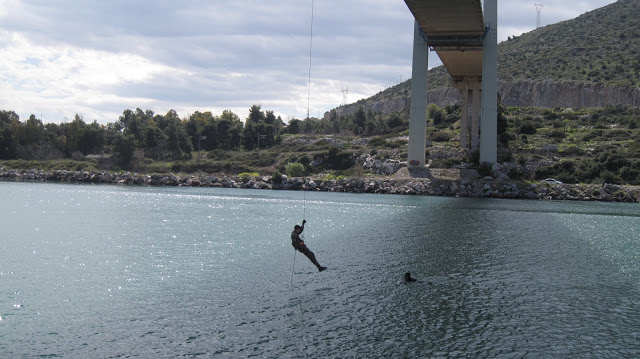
(110, 271)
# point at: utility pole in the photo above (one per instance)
(259, 137)
(538, 9)
(200, 138)
(344, 95)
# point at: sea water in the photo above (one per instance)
(90, 271)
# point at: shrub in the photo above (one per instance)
(592, 135)
(629, 174)
(357, 171)
(337, 160)
(572, 150)
(484, 169)
(445, 163)
(378, 142)
(588, 169)
(295, 169)
(277, 177)
(441, 136)
(527, 128)
(246, 176)
(557, 134)
(609, 177)
(397, 144)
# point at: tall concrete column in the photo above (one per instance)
(489, 126)
(418, 109)
(464, 120)
(475, 113)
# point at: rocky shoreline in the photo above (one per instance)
(413, 186)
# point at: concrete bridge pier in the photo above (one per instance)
(418, 108)
(469, 123)
(465, 38)
(464, 115)
(489, 129)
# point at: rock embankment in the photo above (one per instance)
(414, 186)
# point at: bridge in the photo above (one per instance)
(465, 39)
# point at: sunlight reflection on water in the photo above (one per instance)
(138, 271)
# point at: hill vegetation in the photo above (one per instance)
(598, 47)
(575, 145)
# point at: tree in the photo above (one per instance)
(210, 134)
(256, 116)
(359, 120)
(125, 146)
(155, 141)
(32, 132)
(73, 133)
(178, 142)
(294, 126)
(92, 139)
(270, 118)
(235, 133)
(250, 135)
(9, 121)
(195, 126)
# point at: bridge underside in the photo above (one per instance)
(464, 39)
(455, 30)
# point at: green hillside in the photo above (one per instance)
(598, 47)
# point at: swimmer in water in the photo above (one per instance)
(407, 277)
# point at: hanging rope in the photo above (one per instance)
(294, 266)
(304, 205)
(310, 47)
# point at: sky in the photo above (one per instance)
(97, 58)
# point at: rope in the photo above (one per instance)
(294, 266)
(310, 47)
(304, 206)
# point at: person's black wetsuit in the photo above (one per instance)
(299, 245)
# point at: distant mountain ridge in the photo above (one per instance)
(590, 61)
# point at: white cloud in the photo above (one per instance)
(99, 58)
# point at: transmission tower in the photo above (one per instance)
(539, 9)
(344, 95)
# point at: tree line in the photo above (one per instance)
(169, 137)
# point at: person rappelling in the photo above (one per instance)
(298, 245)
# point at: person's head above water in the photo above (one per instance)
(407, 277)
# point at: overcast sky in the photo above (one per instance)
(98, 58)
